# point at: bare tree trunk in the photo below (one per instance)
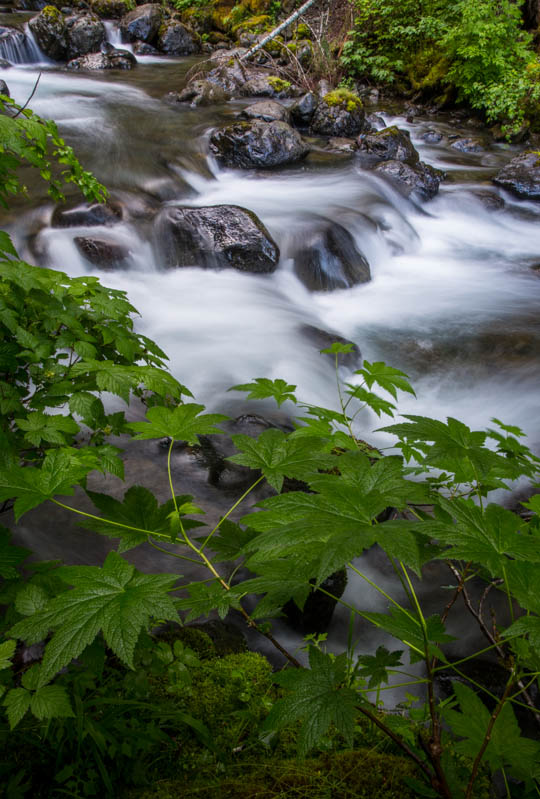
(531, 14)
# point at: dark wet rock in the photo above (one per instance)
(143, 48)
(4, 64)
(375, 121)
(4, 88)
(198, 93)
(216, 449)
(420, 181)
(489, 199)
(303, 110)
(521, 176)
(323, 339)
(469, 145)
(86, 34)
(142, 23)
(110, 9)
(221, 236)
(432, 137)
(339, 114)
(51, 33)
(228, 639)
(86, 215)
(328, 259)
(389, 144)
(269, 86)
(316, 615)
(230, 77)
(174, 38)
(257, 145)
(266, 111)
(116, 59)
(103, 253)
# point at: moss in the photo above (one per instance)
(302, 31)
(195, 639)
(344, 98)
(278, 84)
(427, 70)
(52, 14)
(361, 774)
(259, 24)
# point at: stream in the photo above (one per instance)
(455, 288)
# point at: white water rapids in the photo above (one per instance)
(454, 299)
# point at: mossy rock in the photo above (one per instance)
(112, 9)
(258, 24)
(343, 98)
(193, 637)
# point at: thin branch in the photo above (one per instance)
(21, 109)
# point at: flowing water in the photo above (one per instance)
(454, 295)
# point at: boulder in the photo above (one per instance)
(328, 259)
(375, 122)
(4, 63)
(340, 113)
(303, 110)
(420, 181)
(113, 59)
(389, 144)
(51, 33)
(267, 111)
(4, 89)
(269, 86)
(198, 92)
(521, 176)
(338, 144)
(316, 615)
(142, 23)
(110, 9)
(174, 38)
(86, 215)
(220, 237)
(469, 145)
(104, 253)
(143, 48)
(86, 34)
(257, 145)
(432, 137)
(229, 77)
(323, 339)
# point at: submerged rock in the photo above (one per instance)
(86, 215)
(521, 176)
(421, 181)
(389, 144)
(103, 253)
(328, 259)
(221, 236)
(339, 113)
(469, 145)
(113, 59)
(257, 145)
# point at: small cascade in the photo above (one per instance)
(20, 47)
(113, 36)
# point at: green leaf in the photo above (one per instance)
(262, 387)
(17, 702)
(114, 599)
(407, 628)
(277, 455)
(230, 540)
(376, 666)
(489, 537)
(374, 401)
(6, 245)
(30, 599)
(183, 423)
(206, 597)
(506, 747)
(130, 518)
(51, 702)
(317, 698)
(386, 377)
(338, 348)
(7, 650)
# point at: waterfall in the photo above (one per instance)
(20, 47)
